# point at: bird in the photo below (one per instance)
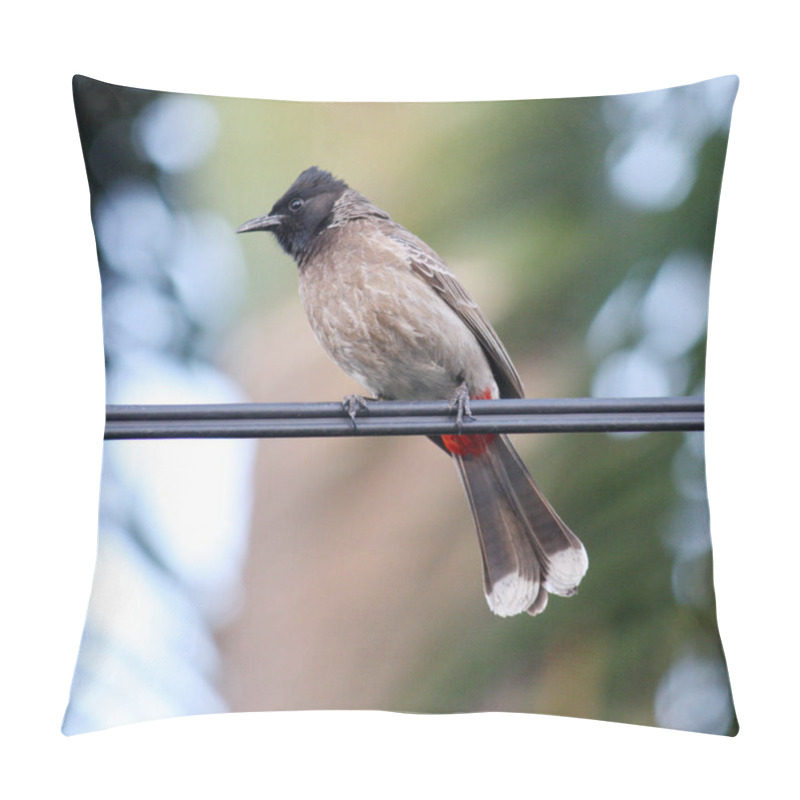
(394, 317)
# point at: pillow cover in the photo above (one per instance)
(248, 573)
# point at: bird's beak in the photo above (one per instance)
(261, 223)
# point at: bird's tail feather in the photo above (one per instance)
(527, 549)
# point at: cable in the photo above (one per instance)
(394, 418)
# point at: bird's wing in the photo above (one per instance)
(429, 267)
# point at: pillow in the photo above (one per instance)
(240, 571)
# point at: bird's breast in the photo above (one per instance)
(385, 326)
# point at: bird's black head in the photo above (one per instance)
(303, 211)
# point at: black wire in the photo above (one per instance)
(393, 418)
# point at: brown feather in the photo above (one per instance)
(527, 549)
(426, 263)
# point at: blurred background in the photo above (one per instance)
(338, 573)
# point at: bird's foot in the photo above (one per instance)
(354, 404)
(460, 403)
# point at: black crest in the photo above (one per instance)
(312, 182)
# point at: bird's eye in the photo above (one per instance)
(296, 204)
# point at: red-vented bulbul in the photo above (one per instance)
(392, 315)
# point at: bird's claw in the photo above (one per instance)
(460, 403)
(353, 404)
